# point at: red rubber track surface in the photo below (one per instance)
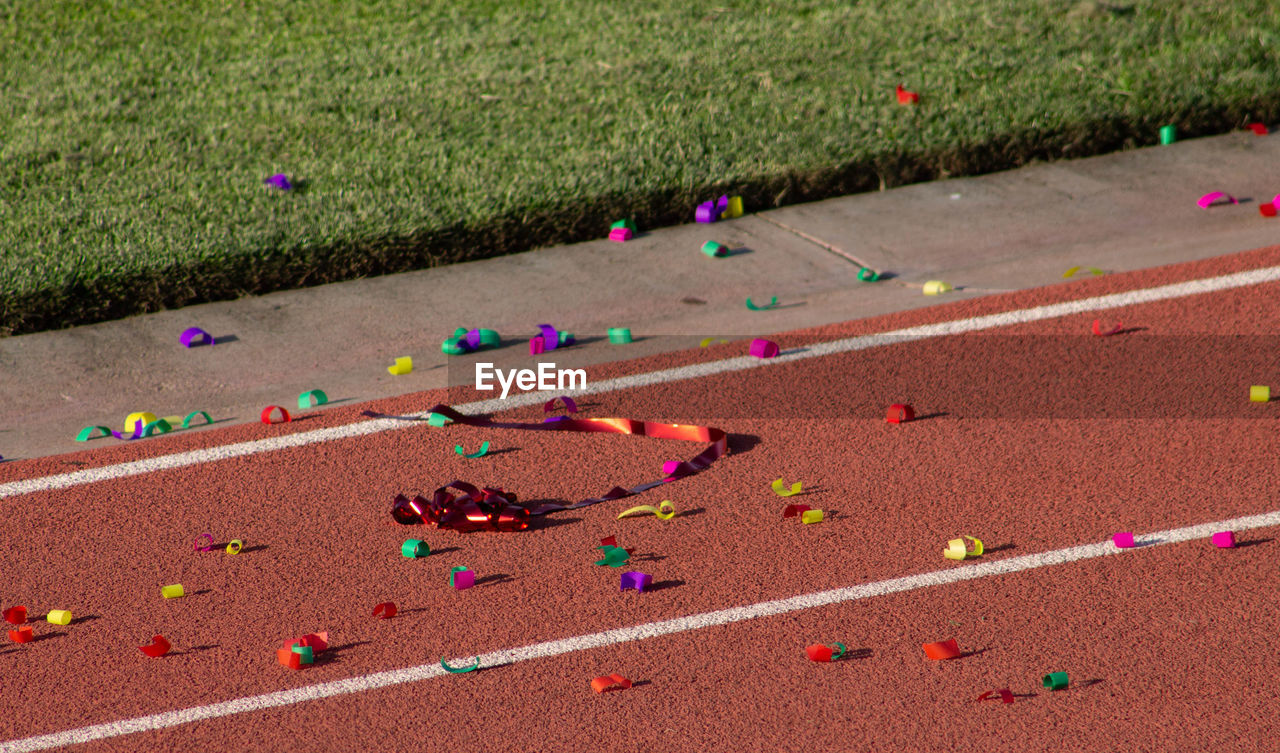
(1167, 647)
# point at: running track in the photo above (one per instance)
(1042, 440)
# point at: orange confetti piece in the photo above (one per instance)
(606, 683)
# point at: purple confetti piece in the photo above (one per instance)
(706, 212)
(637, 580)
(279, 181)
(189, 335)
(554, 419)
(550, 337)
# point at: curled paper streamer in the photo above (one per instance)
(781, 489)
(937, 287)
(459, 670)
(664, 511)
(1092, 270)
(637, 580)
(1213, 197)
(706, 341)
(203, 542)
(186, 422)
(811, 516)
(160, 426)
(306, 398)
(606, 683)
(1122, 540)
(866, 274)
(23, 634)
(714, 250)
(1097, 329)
(1224, 539)
(279, 181)
(15, 615)
(1260, 393)
(569, 404)
(773, 301)
(157, 648)
(942, 650)
(190, 335)
(1055, 680)
(234, 546)
(621, 234)
(791, 511)
(461, 578)
(1003, 694)
(386, 610)
(761, 348)
(957, 550)
(172, 592)
(266, 415)
(900, 413)
(820, 653)
(414, 548)
(58, 617)
(484, 450)
(906, 97)
(402, 366)
(87, 433)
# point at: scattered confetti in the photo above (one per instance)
(1224, 539)
(1091, 270)
(157, 648)
(1168, 135)
(414, 548)
(937, 287)
(637, 580)
(58, 617)
(1003, 694)
(606, 683)
(234, 546)
(957, 550)
(460, 578)
(305, 400)
(866, 274)
(791, 511)
(459, 670)
(569, 404)
(619, 335)
(173, 592)
(203, 542)
(301, 651)
(811, 516)
(900, 413)
(1259, 129)
(1259, 393)
(279, 181)
(820, 653)
(1122, 540)
(386, 610)
(1097, 329)
(189, 336)
(23, 634)
(484, 450)
(907, 97)
(266, 415)
(186, 422)
(471, 510)
(942, 650)
(715, 250)
(1055, 680)
(15, 615)
(664, 511)
(402, 366)
(470, 340)
(781, 489)
(771, 304)
(1213, 198)
(761, 348)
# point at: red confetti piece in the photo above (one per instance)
(157, 648)
(606, 683)
(610, 541)
(569, 404)
(386, 610)
(1258, 128)
(288, 658)
(1097, 329)
(790, 511)
(266, 415)
(907, 98)
(15, 615)
(1003, 694)
(1267, 210)
(900, 414)
(22, 635)
(942, 650)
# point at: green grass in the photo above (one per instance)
(134, 138)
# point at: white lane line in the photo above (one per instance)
(628, 634)
(862, 342)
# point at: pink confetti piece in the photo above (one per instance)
(1224, 539)
(1123, 540)
(761, 348)
(1213, 197)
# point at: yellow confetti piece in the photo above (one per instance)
(664, 511)
(402, 366)
(172, 592)
(133, 418)
(811, 516)
(936, 287)
(707, 341)
(59, 617)
(235, 546)
(957, 550)
(1260, 393)
(780, 489)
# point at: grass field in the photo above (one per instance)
(134, 137)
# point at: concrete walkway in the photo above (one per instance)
(1006, 231)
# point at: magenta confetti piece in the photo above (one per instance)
(550, 405)
(1224, 539)
(761, 348)
(637, 580)
(1213, 197)
(620, 235)
(279, 181)
(537, 346)
(1123, 540)
(203, 542)
(190, 334)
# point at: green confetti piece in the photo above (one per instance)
(628, 224)
(414, 548)
(304, 400)
(484, 450)
(714, 250)
(186, 422)
(459, 670)
(158, 426)
(439, 419)
(866, 274)
(1168, 135)
(455, 571)
(772, 302)
(842, 650)
(490, 338)
(1055, 680)
(619, 335)
(565, 337)
(614, 556)
(305, 654)
(87, 433)
(453, 347)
